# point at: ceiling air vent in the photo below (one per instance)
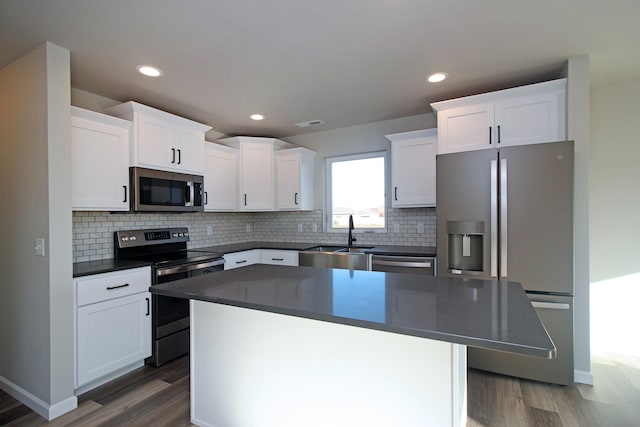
(310, 123)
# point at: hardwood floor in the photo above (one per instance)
(160, 397)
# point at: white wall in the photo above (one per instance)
(356, 139)
(578, 131)
(615, 217)
(36, 300)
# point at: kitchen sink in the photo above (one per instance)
(334, 257)
(355, 250)
(325, 248)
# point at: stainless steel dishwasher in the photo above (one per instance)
(403, 264)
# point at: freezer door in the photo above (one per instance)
(537, 214)
(464, 211)
(556, 314)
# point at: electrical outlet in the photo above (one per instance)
(39, 248)
(300, 228)
(314, 227)
(209, 230)
(420, 228)
(396, 227)
(248, 228)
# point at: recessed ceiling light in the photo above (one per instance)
(437, 77)
(149, 70)
(257, 117)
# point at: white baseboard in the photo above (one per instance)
(45, 410)
(583, 377)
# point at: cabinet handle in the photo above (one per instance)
(498, 134)
(241, 262)
(490, 132)
(173, 155)
(179, 156)
(110, 288)
(206, 198)
(125, 194)
(277, 259)
(295, 198)
(245, 199)
(147, 307)
(395, 193)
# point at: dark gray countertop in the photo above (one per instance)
(104, 266)
(301, 246)
(88, 268)
(486, 314)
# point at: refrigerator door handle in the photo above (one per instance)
(503, 219)
(550, 305)
(494, 218)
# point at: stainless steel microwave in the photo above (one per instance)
(161, 191)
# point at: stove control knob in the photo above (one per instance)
(125, 238)
(133, 238)
(186, 234)
(179, 234)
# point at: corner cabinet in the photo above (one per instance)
(99, 161)
(162, 140)
(257, 174)
(220, 178)
(112, 325)
(523, 115)
(413, 168)
(294, 171)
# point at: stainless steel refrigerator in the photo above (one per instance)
(507, 214)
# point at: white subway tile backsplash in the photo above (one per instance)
(93, 231)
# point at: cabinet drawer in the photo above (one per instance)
(106, 286)
(279, 257)
(241, 259)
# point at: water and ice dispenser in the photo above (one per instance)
(466, 243)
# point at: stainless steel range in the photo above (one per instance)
(166, 249)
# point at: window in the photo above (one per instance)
(356, 186)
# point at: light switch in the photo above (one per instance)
(420, 228)
(209, 230)
(300, 229)
(314, 228)
(39, 248)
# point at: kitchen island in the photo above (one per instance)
(291, 346)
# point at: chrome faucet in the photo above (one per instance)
(351, 227)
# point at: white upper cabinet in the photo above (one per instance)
(413, 168)
(220, 178)
(162, 140)
(294, 169)
(99, 161)
(257, 184)
(522, 115)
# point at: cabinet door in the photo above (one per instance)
(112, 335)
(413, 168)
(154, 143)
(288, 181)
(189, 148)
(529, 120)
(99, 166)
(257, 177)
(220, 179)
(466, 128)
(279, 257)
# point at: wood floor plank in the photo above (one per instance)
(68, 419)
(543, 418)
(145, 393)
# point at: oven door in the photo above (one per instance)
(170, 318)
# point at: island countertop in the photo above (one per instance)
(490, 314)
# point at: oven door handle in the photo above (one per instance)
(190, 267)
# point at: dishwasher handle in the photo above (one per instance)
(416, 264)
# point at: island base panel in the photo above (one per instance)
(251, 367)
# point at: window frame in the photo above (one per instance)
(328, 202)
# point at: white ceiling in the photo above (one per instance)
(345, 62)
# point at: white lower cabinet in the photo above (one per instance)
(242, 259)
(113, 324)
